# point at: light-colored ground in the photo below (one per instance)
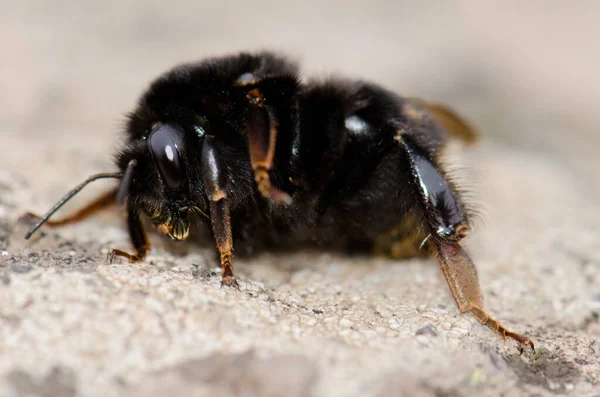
(305, 323)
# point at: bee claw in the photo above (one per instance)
(230, 282)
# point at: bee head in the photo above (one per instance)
(190, 146)
(159, 179)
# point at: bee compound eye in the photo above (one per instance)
(165, 143)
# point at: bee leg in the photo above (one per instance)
(221, 226)
(105, 200)
(262, 138)
(447, 225)
(461, 275)
(215, 180)
(138, 237)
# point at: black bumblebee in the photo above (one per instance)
(266, 160)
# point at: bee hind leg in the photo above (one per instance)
(461, 275)
(446, 222)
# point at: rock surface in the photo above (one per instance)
(302, 323)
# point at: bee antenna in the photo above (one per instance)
(68, 196)
(126, 182)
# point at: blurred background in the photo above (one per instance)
(525, 74)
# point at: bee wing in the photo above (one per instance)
(449, 120)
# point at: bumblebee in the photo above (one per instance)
(266, 160)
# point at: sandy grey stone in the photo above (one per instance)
(310, 323)
(241, 375)
(58, 382)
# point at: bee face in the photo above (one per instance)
(164, 186)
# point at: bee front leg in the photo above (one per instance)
(138, 237)
(221, 226)
(215, 180)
